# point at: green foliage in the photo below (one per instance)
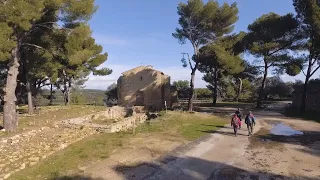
(112, 93)
(276, 88)
(219, 60)
(247, 91)
(182, 88)
(271, 37)
(270, 34)
(308, 15)
(77, 98)
(181, 84)
(221, 55)
(201, 23)
(203, 93)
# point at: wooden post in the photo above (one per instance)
(165, 104)
(134, 126)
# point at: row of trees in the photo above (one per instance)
(280, 44)
(228, 89)
(45, 43)
(182, 87)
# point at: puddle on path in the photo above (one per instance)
(284, 130)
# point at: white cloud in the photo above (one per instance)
(176, 73)
(109, 40)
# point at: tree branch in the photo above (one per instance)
(33, 45)
(303, 72)
(41, 25)
(315, 70)
(315, 60)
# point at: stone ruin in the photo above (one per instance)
(27, 148)
(117, 118)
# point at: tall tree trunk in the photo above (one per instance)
(10, 120)
(215, 88)
(51, 94)
(29, 93)
(305, 87)
(28, 87)
(67, 91)
(193, 73)
(65, 97)
(239, 90)
(191, 90)
(263, 85)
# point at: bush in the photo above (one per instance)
(77, 98)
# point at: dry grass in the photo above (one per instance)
(48, 115)
(92, 149)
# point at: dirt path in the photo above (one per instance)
(222, 156)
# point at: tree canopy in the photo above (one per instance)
(202, 23)
(308, 16)
(46, 41)
(270, 39)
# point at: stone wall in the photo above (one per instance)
(117, 126)
(152, 85)
(26, 149)
(312, 101)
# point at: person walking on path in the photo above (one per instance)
(250, 121)
(235, 123)
(239, 114)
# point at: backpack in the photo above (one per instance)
(249, 119)
(235, 121)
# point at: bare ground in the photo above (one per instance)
(219, 155)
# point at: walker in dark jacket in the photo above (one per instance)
(250, 121)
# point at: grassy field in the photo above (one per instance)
(100, 146)
(47, 115)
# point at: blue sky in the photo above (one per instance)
(138, 32)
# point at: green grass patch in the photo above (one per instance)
(100, 146)
(190, 126)
(90, 149)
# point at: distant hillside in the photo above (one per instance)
(83, 96)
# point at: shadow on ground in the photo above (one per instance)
(171, 167)
(309, 139)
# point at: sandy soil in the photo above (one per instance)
(220, 155)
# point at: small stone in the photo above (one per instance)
(23, 165)
(32, 163)
(7, 176)
(62, 146)
(34, 159)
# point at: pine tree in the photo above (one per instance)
(308, 15)
(269, 39)
(220, 58)
(202, 24)
(19, 19)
